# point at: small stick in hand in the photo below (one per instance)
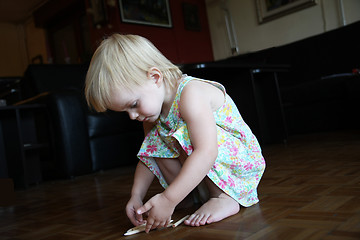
(180, 221)
(141, 228)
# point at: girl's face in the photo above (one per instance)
(142, 103)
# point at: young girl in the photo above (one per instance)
(194, 133)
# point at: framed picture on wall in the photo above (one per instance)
(99, 14)
(271, 9)
(191, 17)
(148, 12)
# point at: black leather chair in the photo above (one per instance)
(82, 141)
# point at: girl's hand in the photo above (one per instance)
(160, 210)
(131, 207)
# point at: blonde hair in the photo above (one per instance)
(123, 61)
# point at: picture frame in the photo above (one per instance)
(191, 17)
(268, 10)
(99, 13)
(146, 12)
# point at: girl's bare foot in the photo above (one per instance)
(214, 210)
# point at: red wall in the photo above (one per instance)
(176, 43)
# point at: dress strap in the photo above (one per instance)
(189, 78)
(182, 84)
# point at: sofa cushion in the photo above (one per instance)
(102, 124)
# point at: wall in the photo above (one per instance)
(16, 54)
(13, 52)
(252, 36)
(20, 44)
(23, 42)
(35, 42)
(176, 43)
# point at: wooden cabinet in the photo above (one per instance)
(23, 144)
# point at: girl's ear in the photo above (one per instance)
(155, 75)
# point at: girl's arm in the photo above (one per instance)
(196, 110)
(143, 176)
(142, 181)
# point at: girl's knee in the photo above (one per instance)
(169, 168)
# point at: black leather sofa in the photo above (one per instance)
(80, 141)
(319, 92)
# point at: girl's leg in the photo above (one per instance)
(170, 168)
(218, 207)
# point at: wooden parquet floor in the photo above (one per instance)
(310, 190)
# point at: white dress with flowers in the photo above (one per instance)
(239, 165)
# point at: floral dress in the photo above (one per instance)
(239, 165)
